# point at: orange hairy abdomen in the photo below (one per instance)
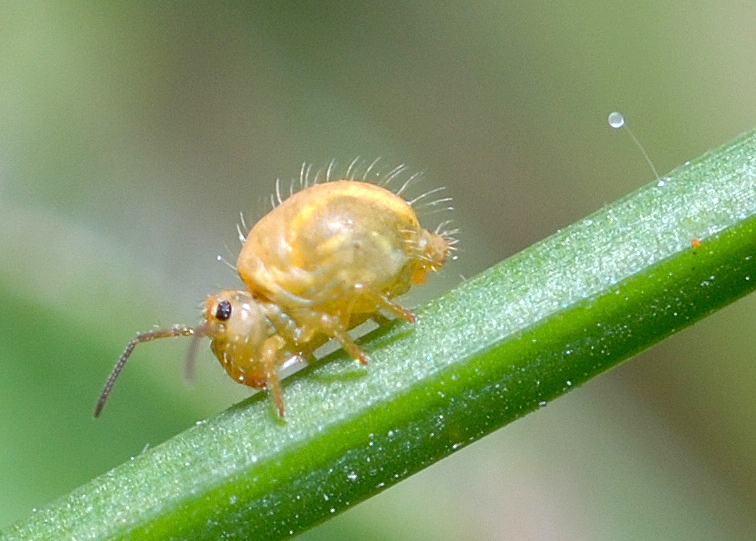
(334, 247)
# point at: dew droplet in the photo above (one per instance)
(616, 120)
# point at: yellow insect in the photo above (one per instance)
(323, 261)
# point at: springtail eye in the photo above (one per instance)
(223, 311)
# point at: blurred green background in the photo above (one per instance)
(132, 134)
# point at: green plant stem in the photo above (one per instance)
(500, 345)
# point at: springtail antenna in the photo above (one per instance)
(191, 355)
(176, 330)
